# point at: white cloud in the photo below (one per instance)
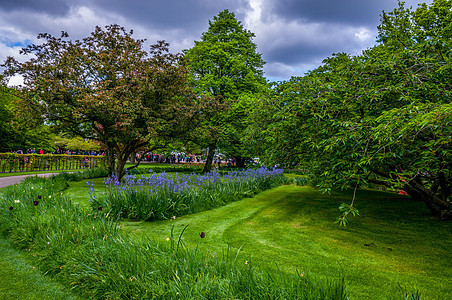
(16, 81)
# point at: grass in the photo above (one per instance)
(396, 246)
(29, 173)
(19, 279)
(85, 250)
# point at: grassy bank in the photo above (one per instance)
(20, 279)
(85, 250)
(393, 248)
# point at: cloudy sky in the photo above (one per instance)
(293, 36)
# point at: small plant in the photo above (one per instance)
(301, 180)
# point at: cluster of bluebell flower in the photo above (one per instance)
(181, 182)
(162, 195)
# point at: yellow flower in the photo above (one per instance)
(246, 262)
(167, 239)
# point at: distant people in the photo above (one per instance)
(41, 151)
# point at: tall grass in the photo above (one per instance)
(162, 196)
(87, 251)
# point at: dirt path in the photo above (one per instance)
(7, 181)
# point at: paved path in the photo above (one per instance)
(11, 180)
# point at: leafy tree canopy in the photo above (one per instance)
(225, 63)
(19, 130)
(383, 117)
(107, 88)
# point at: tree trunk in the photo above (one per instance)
(110, 153)
(132, 157)
(439, 208)
(240, 161)
(210, 154)
(120, 167)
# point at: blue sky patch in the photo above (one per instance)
(13, 44)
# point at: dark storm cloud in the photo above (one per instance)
(353, 12)
(51, 7)
(292, 35)
(299, 34)
(295, 53)
(181, 15)
(173, 14)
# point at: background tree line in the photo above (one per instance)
(382, 117)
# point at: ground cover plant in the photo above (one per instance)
(86, 250)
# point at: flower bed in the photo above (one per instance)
(162, 196)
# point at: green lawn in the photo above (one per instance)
(394, 246)
(20, 280)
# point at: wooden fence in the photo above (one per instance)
(12, 162)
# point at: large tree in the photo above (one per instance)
(20, 130)
(225, 64)
(384, 117)
(107, 88)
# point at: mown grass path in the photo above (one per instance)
(394, 246)
(20, 280)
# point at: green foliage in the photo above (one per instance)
(225, 64)
(225, 61)
(346, 210)
(20, 130)
(383, 117)
(76, 143)
(107, 88)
